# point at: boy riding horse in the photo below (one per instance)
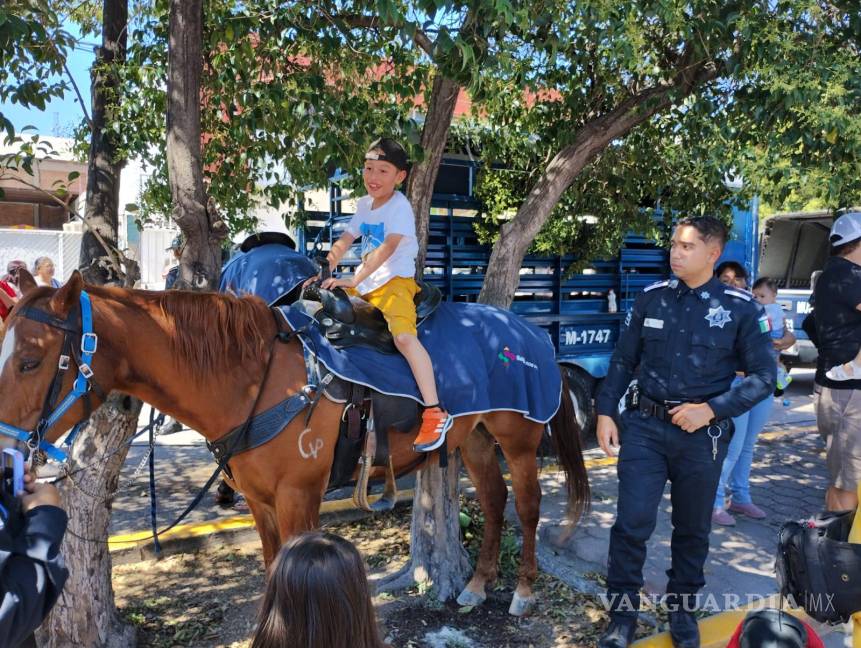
(386, 278)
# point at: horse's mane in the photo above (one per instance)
(213, 331)
(209, 332)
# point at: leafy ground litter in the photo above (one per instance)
(211, 597)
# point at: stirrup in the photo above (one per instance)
(389, 498)
(387, 501)
(360, 492)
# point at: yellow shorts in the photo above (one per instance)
(395, 299)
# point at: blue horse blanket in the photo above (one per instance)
(485, 359)
(269, 271)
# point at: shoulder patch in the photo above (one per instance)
(737, 292)
(656, 285)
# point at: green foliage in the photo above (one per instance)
(32, 52)
(293, 91)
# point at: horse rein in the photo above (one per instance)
(80, 344)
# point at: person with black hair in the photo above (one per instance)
(687, 335)
(732, 273)
(32, 572)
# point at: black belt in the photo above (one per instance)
(660, 409)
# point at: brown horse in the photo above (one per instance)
(201, 357)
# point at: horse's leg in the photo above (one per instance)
(297, 509)
(267, 529)
(519, 440)
(479, 457)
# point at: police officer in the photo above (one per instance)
(688, 336)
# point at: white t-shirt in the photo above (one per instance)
(373, 225)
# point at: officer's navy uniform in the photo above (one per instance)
(688, 345)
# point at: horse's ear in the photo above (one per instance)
(26, 283)
(67, 295)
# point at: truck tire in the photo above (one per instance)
(581, 388)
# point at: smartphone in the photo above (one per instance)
(13, 471)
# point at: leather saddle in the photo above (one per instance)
(362, 455)
(348, 321)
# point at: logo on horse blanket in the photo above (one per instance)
(507, 356)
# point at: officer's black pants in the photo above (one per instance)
(653, 452)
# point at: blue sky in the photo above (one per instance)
(60, 115)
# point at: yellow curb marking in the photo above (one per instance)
(234, 523)
(717, 630)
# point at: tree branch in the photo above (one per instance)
(593, 137)
(78, 93)
(372, 22)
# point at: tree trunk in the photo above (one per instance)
(515, 236)
(203, 230)
(99, 265)
(437, 556)
(423, 175)
(85, 615)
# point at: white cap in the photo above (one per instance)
(846, 229)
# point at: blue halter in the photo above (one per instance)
(89, 342)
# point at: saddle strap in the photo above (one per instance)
(380, 451)
(353, 411)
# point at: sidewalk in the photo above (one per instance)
(788, 481)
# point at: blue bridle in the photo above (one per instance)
(82, 356)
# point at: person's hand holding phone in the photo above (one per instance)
(36, 494)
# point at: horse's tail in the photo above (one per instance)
(565, 432)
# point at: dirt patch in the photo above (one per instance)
(210, 598)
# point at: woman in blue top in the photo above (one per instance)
(735, 475)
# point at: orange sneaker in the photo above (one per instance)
(435, 423)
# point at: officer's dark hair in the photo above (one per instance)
(737, 269)
(709, 228)
(768, 282)
(845, 249)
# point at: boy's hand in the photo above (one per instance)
(311, 280)
(36, 494)
(331, 283)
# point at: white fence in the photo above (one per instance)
(64, 248)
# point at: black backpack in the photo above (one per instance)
(818, 568)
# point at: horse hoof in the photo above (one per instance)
(471, 599)
(520, 605)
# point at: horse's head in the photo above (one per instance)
(31, 367)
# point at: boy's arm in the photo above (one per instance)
(339, 249)
(377, 258)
